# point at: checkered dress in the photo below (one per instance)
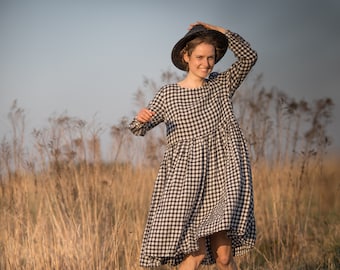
(204, 184)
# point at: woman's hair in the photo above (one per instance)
(192, 44)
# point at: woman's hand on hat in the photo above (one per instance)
(144, 115)
(209, 26)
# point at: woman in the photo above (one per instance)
(202, 205)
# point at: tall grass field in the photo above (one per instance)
(67, 201)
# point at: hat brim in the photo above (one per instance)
(221, 39)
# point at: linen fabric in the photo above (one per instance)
(204, 184)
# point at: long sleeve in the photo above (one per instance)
(156, 105)
(246, 58)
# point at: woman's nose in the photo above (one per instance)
(207, 62)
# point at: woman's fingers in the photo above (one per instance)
(208, 26)
(144, 115)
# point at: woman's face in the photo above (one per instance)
(202, 60)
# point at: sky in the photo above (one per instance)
(88, 58)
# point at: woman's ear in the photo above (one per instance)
(186, 58)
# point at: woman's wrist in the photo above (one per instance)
(221, 29)
(227, 32)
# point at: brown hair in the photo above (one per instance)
(192, 44)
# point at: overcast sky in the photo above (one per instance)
(88, 58)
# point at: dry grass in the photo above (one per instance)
(86, 218)
(297, 216)
(62, 206)
(92, 217)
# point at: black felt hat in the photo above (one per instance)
(196, 31)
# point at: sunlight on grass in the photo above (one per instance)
(64, 206)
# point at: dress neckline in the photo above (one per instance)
(194, 88)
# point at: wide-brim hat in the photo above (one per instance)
(196, 31)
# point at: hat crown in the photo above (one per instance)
(195, 29)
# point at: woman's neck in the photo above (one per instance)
(191, 82)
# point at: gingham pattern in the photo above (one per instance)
(204, 184)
